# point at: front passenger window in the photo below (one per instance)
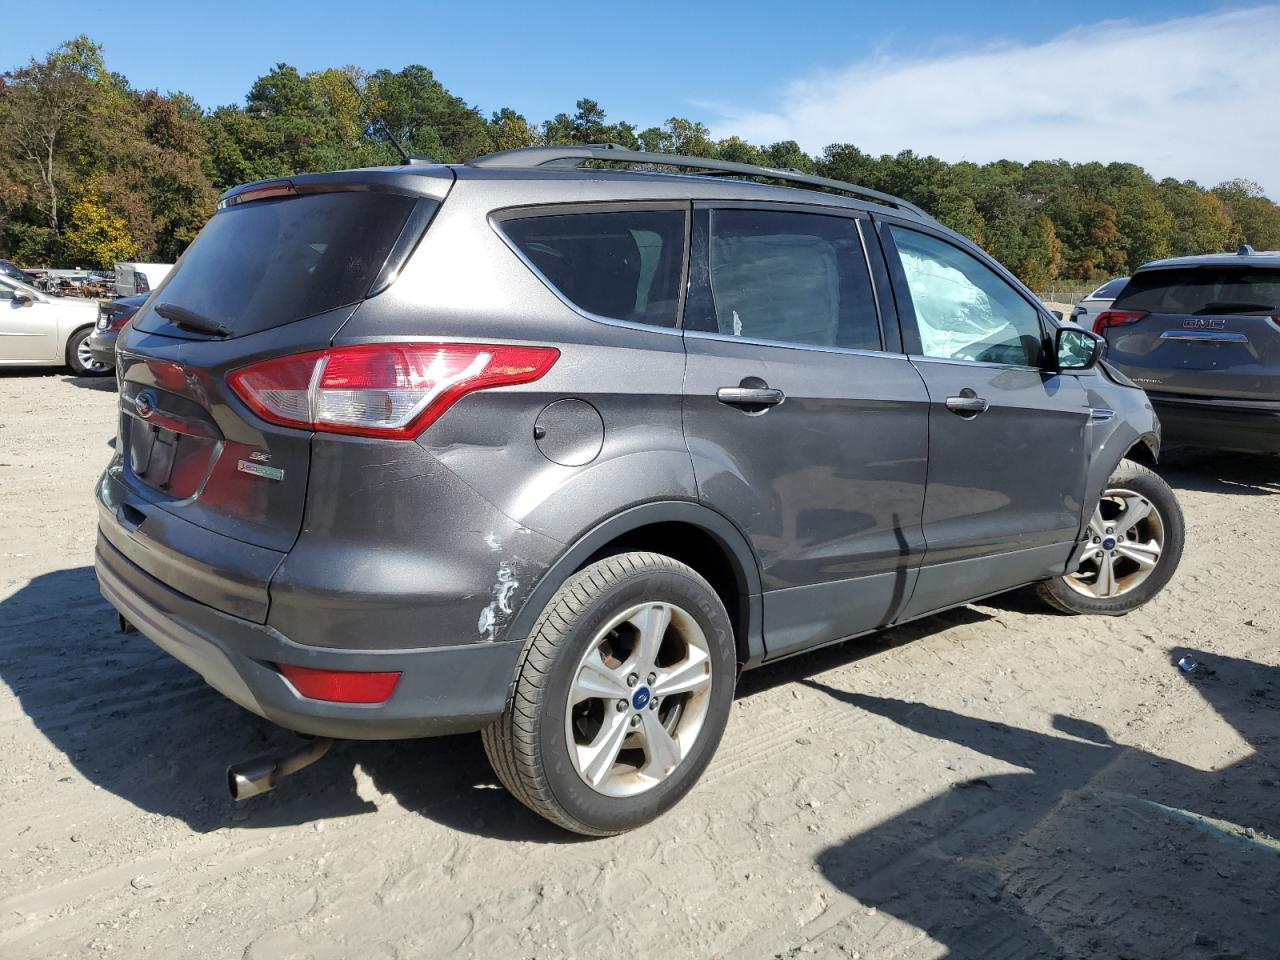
(963, 309)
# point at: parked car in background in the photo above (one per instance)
(551, 452)
(14, 272)
(112, 316)
(135, 278)
(1087, 309)
(1202, 336)
(39, 330)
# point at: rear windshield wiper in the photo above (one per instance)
(1231, 306)
(191, 320)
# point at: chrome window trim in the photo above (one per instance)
(789, 345)
(920, 358)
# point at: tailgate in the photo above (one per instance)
(204, 495)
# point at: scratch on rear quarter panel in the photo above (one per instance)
(498, 612)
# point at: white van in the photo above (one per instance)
(135, 278)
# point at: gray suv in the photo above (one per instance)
(1202, 335)
(551, 451)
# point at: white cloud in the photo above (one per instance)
(1196, 97)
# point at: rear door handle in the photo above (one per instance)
(750, 396)
(967, 406)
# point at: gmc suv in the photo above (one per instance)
(551, 451)
(1202, 335)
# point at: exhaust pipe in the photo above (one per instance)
(250, 778)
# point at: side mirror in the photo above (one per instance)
(22, 299)
(1058, 314)
(1076, 348)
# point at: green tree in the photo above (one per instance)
(509, 130)
(42, 105)
(415, 108)
(588, 125)
(1256, 219)
(95, 236)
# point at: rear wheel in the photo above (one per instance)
(80, 360)
(1132, 549)
(620, 697)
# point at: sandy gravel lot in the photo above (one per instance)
(997, 782)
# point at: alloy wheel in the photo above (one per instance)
(1126, 539)
(85, 356)
(638, 699)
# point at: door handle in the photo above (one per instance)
(750, 396)
(967, 405)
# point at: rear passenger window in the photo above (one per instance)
(788, 277)
(622, 265)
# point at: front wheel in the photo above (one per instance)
(620, 697)
(1132, 549)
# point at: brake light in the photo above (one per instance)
(121, 319)
(341, 686)
(393, 390)
(1116, 318)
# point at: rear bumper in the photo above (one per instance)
(102, 346)
(1246, 427)
(442, 690)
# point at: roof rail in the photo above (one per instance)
(576, 156)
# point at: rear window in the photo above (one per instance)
(264, 263)
(623, 265)
(1203, 290)
(1109, 290)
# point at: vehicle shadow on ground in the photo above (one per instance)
(1090, 849)
(135, 721)
(1210, 471)
(106, 383)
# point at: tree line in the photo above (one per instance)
(93, 171)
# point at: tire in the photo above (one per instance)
(1131, 489)
(543, 746)
(78, 359)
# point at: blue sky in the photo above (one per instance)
(809, 73)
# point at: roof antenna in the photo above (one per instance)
(405, 159)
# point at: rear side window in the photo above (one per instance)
(1203, 290)
(787, 277)
(264, 263)
(623, 265)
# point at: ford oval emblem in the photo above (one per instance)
(144, 404)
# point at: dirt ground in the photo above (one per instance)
(996, 782)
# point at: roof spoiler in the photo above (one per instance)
(576, 156)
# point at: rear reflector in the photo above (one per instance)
(1116, 318)
(393, 390)
(341, 686)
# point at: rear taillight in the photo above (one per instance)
(393, 390)
(1116, 318)
(121, 319)
(341, 686)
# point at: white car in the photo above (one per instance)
(1087, 310)
(39, 330)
